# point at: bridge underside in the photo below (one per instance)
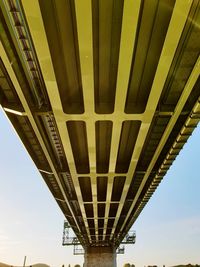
(103, 94)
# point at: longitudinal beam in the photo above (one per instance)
(84, 28)
(128, 33)
(44, 57)
(176, 26)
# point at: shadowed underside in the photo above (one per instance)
(103, 94)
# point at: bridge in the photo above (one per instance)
(104, 95)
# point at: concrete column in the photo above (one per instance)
(100, 257)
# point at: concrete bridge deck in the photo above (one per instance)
(104, 95)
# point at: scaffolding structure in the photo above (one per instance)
(129, 238)
(69, 239)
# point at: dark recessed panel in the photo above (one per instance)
(60, 25)
(100, 232)
(183, 63)
(8, 95)
(134, 186)
(89, 210)
(91, 223)
(108, 231)
(107, 237)
(118, 188)
(109, 226)
(85, 185)
(107, 20)
(78, 139)
(103, 142)
(102, 188)
(110, 223)
(154, 136)
(93, 237)
(119, 224)
(113, 209)
(92, 233)
(126, 208)
(149, 42)
(101, 210)
(128, 138)
(100, 223)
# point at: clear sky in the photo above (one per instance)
(31, 223)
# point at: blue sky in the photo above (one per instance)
(168, 229)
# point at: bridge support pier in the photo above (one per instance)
(100, 256)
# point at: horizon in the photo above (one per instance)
(44, 264)
(167, 230)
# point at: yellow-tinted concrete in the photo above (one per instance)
(103, 94)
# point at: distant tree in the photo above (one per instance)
(77, 265)
(127, 265)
